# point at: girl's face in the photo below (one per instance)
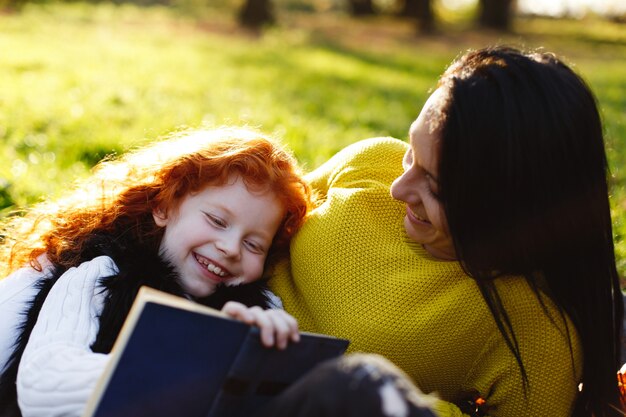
(220, 235)
(425, 220)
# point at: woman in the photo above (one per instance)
(491, 279)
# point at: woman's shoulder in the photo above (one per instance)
(379, 148)
(374, 159)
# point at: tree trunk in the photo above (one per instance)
(496, 14)
(422, 11)
(256, 13)
(12, 6)
(361, 7)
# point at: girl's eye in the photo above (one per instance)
(253, 246)
(216, 221)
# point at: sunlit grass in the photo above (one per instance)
(80, 81)
(66, 102)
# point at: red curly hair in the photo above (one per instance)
(122, 194)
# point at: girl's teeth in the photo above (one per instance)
(215, 269)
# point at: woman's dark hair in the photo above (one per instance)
(523, 181)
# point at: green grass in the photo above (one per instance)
(81, 81)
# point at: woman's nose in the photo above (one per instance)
(401, 186)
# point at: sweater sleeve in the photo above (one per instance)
(16, 291)
(58, 370)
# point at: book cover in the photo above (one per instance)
(174, 357)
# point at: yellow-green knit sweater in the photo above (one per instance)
(354, 273)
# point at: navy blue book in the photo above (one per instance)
(174, 357)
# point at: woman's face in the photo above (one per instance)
(425, 220)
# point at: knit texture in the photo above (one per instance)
(58, 371)
(354, 273)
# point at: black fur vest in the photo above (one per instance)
(138, 265)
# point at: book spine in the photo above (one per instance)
(237, 396)
(258, 374)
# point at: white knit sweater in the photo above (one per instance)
(58, 370)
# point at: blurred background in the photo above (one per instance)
(83, 80)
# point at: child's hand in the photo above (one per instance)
(277, 326)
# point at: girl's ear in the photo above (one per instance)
(160, 217)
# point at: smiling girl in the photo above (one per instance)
(195, 215)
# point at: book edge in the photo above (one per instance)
(144, 296)
(147, 295)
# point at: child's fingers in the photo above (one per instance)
(277, 327)
(294, 332)
(281, 328)
(239, 312)
(265, 325)
(286, 327)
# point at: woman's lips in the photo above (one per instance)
(414, 218)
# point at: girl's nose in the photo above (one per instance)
(229, 247)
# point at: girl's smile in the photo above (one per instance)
(219, 235)
(212, 268)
